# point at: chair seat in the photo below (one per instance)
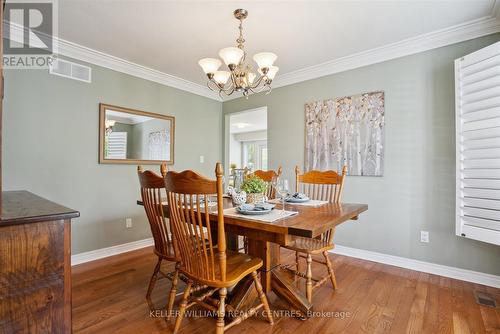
(308, 245)
(238, 266)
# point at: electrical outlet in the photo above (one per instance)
(128, 222)
(424, 236)
(202, 159)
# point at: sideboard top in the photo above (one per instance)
(23, 207)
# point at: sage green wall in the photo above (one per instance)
(51, 146)
(417, 190)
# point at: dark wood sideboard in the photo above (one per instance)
(35, 264)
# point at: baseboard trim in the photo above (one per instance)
(426, 267)
(110, 251)
(402, 262)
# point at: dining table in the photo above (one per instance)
(264, 241)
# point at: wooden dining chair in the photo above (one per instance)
(267, 176)
(323, 186)
(152, 193)
(207, 262)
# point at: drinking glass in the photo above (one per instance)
(283, 189)
(274, 186)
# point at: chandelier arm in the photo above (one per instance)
(214, 84)
(218, 88)
(257, 91)
(227, 92)
(229, 86)
(264, 87)
(208, 85)
(256, 83)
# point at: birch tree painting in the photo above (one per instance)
(346, 131)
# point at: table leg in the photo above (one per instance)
(273, 278)
(282, 283)
(270, 254)
(245, 293)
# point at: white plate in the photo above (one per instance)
(253, 212)
(297, 200)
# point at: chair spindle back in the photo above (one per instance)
(152, 192)
(187, 194)
(267, 176)
(321, 185)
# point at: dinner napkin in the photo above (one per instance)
(256, 207)
(299, 196)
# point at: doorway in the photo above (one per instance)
(246, 140)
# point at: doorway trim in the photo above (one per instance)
(227, 130)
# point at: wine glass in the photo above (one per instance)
(283, 189)
(274, 185)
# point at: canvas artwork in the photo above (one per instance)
(346, 131)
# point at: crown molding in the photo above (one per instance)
(436, 39)
(469, 30)
(83, 53)
(95, 57)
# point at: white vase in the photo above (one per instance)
(238, 198)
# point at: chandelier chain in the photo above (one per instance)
(240, 39)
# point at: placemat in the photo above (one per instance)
(273, 216)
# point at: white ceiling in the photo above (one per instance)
(126, 118)
(248, 121)
(171, 36)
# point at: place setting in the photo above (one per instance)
(296, 198)
(250, 201)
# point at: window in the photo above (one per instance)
(477, 85)
(116, 145)
(254, 154)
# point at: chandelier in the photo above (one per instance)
(240, 77)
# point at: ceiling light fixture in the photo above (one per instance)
(240, 77)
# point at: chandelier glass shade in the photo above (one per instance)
(240, 76)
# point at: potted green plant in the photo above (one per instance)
(255, 188)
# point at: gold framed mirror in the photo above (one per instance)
(128, 136)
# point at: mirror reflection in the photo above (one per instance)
(136, 136)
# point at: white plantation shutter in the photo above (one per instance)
(477, 89)
(117, 145)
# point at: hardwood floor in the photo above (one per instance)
(109, 297)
